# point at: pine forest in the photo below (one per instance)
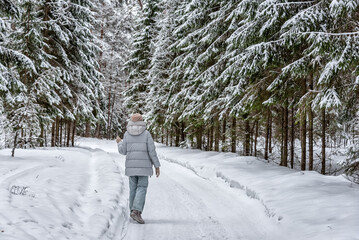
(273, 79)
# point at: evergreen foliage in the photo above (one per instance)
(258, 61)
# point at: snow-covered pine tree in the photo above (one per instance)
(16, 76)
(68, 34)
(145, 32)
(41, 97)
(324, 36)
(157, 102)
(193, 39)
(114, 31)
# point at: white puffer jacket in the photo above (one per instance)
(140, 151)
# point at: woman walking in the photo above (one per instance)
(139, 148)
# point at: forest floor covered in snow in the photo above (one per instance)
(82, 193)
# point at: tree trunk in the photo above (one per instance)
(167, 136)
(108, 111)
(53, 134)
(42, 135)
(15, 144)
(199, 138)
(97, 131)
(211, 135)
(208, 139)
(224, 135)
(251, 137)
(183, 135)
(270, 133)
(217, 134)
(60, 135)
(292, 138)
(171, 136)
(73, 133)
(178, 132)
(247, 137)
(57, 132)
(310, 139)
(162, 135)
(285, 137)
(282, 136)
(66, 132)
(266, 144)
(69, 122)
(87, 129)
(233, 134)
(303, 131)
(45, 137)
(310, 125)
(323, 142)
(111, 113)
(255, 138)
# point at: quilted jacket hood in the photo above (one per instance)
(136, 128)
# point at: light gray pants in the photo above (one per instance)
(138, 190)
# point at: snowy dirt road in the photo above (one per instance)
(82, 194)
(182, 205)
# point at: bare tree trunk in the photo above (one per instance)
(108, 111)
(199, 137)
(183, 134)
(88, 129)
(111, 113)
(42, 135)
(57, 133)
(60, 135)
(270, 133)
(251, 137)
(178, 132)
(97, 131)
(292, 138)
(211, 135)
(53, 134)
(217, 134)
(303, 130)
(45, 138)
(255, 138)
(310, 125)
(171, 136)
(162, 135)
(282, 135)
(69, 122)
(208, 139)
(247, 137)
(73, 133)
(285, 137)
(167, 136)
(233, 134)
(140, 3)
(323, 141)
(15, 144)
(310, 139)
(66, 133)
(266, 144)
(224, 135)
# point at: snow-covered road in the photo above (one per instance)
(82, 194)
(182, 205)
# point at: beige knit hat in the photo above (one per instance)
(136, 117)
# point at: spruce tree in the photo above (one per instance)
(145, 32)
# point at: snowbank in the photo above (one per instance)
(52, 193)
(317, 206)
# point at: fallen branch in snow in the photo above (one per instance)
(19, 190)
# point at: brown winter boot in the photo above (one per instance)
(136, 215)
